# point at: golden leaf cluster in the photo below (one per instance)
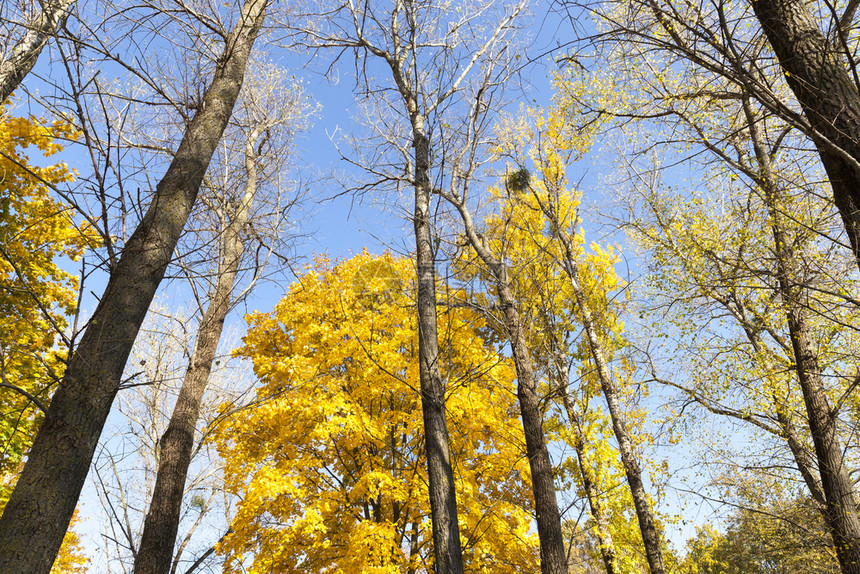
(330, 462)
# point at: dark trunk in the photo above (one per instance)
(552, 557)
(26, 52)
(836, 484)
(38, 513)
(782, 409)
(817, 74)
(447, 552)
(155, 554)
(802, 458)
(841, 509)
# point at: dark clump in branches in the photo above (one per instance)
(517, 181)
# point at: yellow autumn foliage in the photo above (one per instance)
(536, 229)
(71, 559)
(36, 294)
(329, 463)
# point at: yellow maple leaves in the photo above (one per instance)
(36, 294)
(71, 558)
(330, 465)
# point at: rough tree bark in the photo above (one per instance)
(841, 508)
(23, 57)
(447, 551)
(552, 556)
(836, 484)
(816, 72)
(38, 512)
(155, 553)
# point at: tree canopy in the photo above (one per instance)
(623, 309)
(344, 486)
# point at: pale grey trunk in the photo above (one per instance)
(447, 552)
(25, 53)
(548, 518)
(38, 512)
(155, 554)
(592, 494)
(647, 525)
(817, 74)
(836, 483)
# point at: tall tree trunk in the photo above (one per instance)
(604, 537)
(447, 552)
(155, 554)
(786, 429)
(836, 483)
(841, 509)
(552, 556)
(424, 93)
(830, 99)
(647, 525)
(25, 53)
(38, 513)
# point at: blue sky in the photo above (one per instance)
(337, 223)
